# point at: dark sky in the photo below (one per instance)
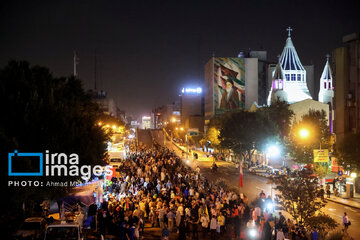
(148, 50)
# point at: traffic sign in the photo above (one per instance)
(193, 132)
(340, 173)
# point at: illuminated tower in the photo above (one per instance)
(326, 92)
(277, 85)
(294, 83)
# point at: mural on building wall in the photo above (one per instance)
(229, 84)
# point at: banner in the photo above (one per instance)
(321, 155)
(335, 167)
(229, 84)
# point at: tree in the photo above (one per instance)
(211, 138)
(348, 151)
(316, 123)
(280, 113)
(322, 222)
(244, 132)
(41, 113)
(299, 195)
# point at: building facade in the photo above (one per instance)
(107, 105)
(231, 84)
(346, 60)
(146, 122)
(192, 108)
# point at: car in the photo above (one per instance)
(69, 231)
(115, 160)
(280, 171)
(32, 228)
(262, 169)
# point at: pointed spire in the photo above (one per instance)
(278, 74)
(289, 57)
(326, 92)
(326, 74)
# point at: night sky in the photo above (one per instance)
(148, 50)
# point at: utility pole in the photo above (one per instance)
(95, 70)
(76, 62)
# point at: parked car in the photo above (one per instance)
(280, 171)
(69, 231)
(32, 228)
(262, 169)
(115, 160)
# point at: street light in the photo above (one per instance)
(273, 151)
(173, 119)
(304, 133)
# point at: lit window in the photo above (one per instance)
(299, 77)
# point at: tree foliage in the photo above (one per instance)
(299, 195)
(319, 133)
(322, 222)
(211, 138)
(348, 151)
(280, 113)
(41, 113)
(244, 132)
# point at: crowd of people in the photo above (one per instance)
(155, 188)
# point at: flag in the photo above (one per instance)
(241, 175)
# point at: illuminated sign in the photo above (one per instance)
(321, 155)
(192, 90)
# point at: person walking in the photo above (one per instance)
(171, 217)
(221, 221)
(165, 233)
(204, 224)
(346, 222)
(280, 235)
(213, 225)
(161, 217)
(314, 235)
(327, 188)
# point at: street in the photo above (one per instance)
(253, 184)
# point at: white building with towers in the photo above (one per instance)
(326, 92)
(289, 76)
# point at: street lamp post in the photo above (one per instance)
(171, 140)
(187, 146)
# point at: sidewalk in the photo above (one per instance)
(350, 202)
